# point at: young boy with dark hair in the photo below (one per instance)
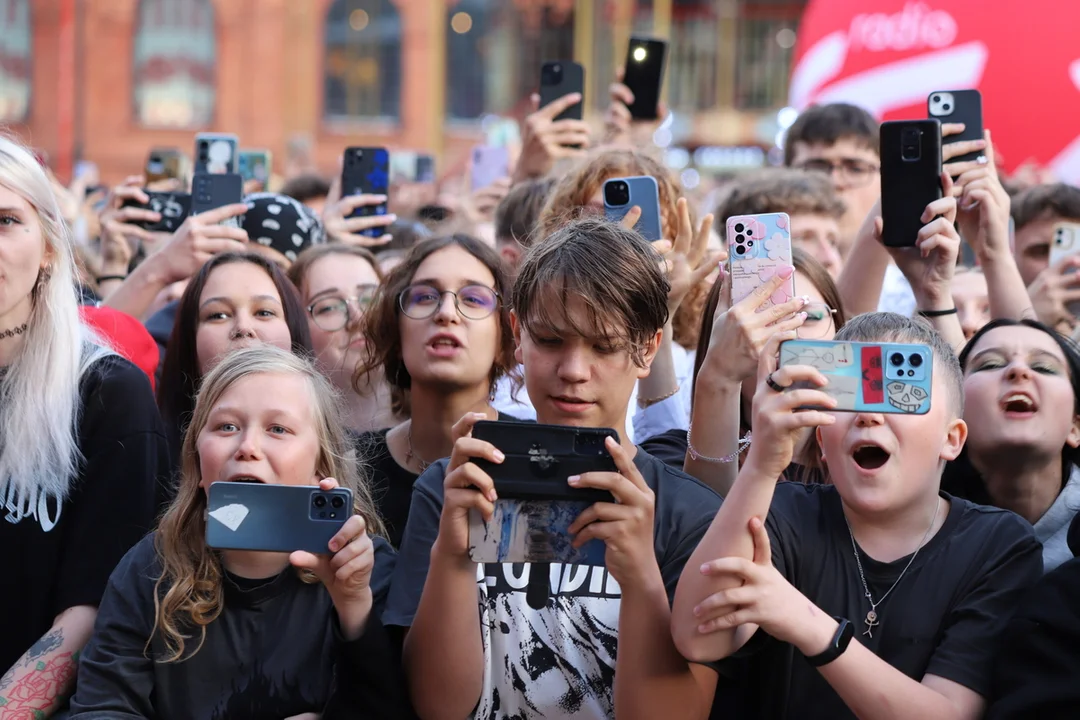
(589, 305)
(876, 596)
(1035, 212)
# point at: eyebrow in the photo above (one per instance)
(228, 301)
(11, 209)
(439, 284)
(1033, 353)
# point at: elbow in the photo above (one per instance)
(695, 647)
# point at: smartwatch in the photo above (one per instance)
(837, 645)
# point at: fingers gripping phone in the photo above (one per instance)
(562, 78)
(910, 177)
(172, 207)
(366, 170)
(644, 75)
(959, 106)
(216, 153)
(275, 518)
(1066, 243)
(867, 377)
(536, 505)
(621, 194)
(759, 247)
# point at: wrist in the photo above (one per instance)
(817, 635)
(648, 584)
(446, 557)
(934, 300)
(155, 271)
(716, 379)
(354, 614)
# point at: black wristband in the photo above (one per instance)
(837, 646)
(937, 313)
(107, 278)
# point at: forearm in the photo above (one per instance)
(863, 274)
(1005, 287)
(135, 295)
(947, 326)
(444, 652)
(715, 434)
(661, 382)
(44, 677)
(651, 678)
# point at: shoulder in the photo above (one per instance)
(681, 500)
(140, 568)
(383, 571)
(114, 375)
(117, 400)
(430, 482)
(995, 526)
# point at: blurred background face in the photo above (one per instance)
(337, 291)
(855, 173)
(972, 300)
(1033, 247)
(819, 235)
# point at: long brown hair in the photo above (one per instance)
(188, 594)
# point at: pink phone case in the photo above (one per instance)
(759, 246)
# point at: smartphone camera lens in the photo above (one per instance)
(320, 501)
(937, 98)
(946, 107)
(896, 359)
(337, 502)
(739, 238)
(739, 227)
(740, 249)
(915, 361)
(617, 193)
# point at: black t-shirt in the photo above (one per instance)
(944, 618)
(560, 660)
(60, 556)
(274, 651)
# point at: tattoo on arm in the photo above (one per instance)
(42, 681)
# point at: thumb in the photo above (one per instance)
(762, 550)
(304, 560)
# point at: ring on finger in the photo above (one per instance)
(771, 382)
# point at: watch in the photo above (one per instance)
(837, 645)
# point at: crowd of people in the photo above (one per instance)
(764, 556)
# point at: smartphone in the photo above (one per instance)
(621, 194)
(215, 153)
(425, 168)
(212, 191)
(536, 505)
(759, 246)
(959, 106)
(366, 170)
(560, 78)
(403, 166)
(644, 75)
(489, 164)
(868, 377)
(164, 164)
(910, 177)
(255, 165)
(275, 518)
(174, 207)
(1066, 243)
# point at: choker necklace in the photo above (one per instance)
(410, 455)
(872, 619)
(13, 332)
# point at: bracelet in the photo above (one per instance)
(107, 278)
(744, 442)
(937, 313)
(643, 404)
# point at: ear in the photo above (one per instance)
(955, 437)
(1073, 438)
(510, 252)
(515, 326)
(650, 353)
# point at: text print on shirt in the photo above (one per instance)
(33, 503)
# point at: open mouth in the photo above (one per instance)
(870, 457)
(1018, 403)
(246, 479)
(444, 341)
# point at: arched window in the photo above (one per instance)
(175, 53)
(363, 60)
(15, 51)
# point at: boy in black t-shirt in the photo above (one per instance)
(878, 596)
(590, 302)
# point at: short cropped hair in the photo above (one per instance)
(516, 215)
(613, 269)
(1057, 200)
(303, 188)
(795, 192)
(891, 327)
(827, 124)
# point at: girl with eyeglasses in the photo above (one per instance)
(337, 284)
(439, 330)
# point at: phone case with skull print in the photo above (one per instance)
(759, 247)
(868, 377)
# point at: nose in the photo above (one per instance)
(243, 327)
(1018, 371)
(574, 366)
(864, 420)
(447, 310)
(248, 447)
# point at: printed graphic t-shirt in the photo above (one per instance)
(558, 661)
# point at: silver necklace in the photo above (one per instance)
(411, 456)
(872, 620)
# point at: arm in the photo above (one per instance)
(44, 677)
(863, 274)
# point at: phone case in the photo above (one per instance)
(275, 518)
(1065, 244)
(536, 506)
(561, 78)
(173, 208)
(644, 75)
(910, 177)
(164, 164)
(868, 377)
(255, 165)
(644, 193)
(489, 164)
(759, 247)
(958, 106)
(209, 192)
(215, 153)
(425, 168)
(366, 170)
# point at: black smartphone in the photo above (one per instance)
(275, 518)
(216, 153)
(173, 207)
(211, 191)
(644, 75)
(559, 78)
(959, 106)
(910, 177)
(366, 170)
(425, 168)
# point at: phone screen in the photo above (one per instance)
(644, 76)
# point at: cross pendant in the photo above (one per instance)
(871, 622)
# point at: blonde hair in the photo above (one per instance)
(39, 394)
(189, 591)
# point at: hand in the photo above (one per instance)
(741, 332)
(686, 264)
(983, 205)
(765, 598)
(119, 236)
(545, 140)
(777, 420)
(465, 488)
(930, 265)
(345, 571)
(198, 240)
(619, 124)
(1053, 290)
(346, 230)
(482, 202)
(956, 149)
(625, 526)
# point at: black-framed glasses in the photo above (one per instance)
(849, 170)
(332, 313)
(820, 318)
(474, 302)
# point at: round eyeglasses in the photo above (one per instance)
(333, 313)
(819, 320)
(850, 171)
(474, 302)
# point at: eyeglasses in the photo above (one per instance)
(848, 170)
(332, 313)
(474, 302)
(819, 320)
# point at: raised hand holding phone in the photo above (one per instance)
(466, 487)
(545, 139)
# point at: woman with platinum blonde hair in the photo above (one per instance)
(81, 449)
(188, 632)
